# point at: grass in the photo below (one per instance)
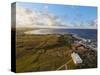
(40, 52)
(43, 52)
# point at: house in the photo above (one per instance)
(76, 58)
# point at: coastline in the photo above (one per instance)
(83, 41)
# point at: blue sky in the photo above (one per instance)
(67, 13)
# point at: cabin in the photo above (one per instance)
(76, 58)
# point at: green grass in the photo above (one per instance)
(42, 52)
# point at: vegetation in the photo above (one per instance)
(45, 52)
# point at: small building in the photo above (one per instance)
(76, 58)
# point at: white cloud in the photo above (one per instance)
(36, 18)
(93, 24)
(45, 19)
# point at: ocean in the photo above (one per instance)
(84, 33)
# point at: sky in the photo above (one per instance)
(55, 15)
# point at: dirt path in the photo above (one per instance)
(64, 65)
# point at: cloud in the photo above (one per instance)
(93, 24)
(46, 19)
(36, 18)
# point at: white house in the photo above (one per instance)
(76, 58)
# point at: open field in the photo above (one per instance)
(48, 52)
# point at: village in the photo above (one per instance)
(55, 52)
(80, 44)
